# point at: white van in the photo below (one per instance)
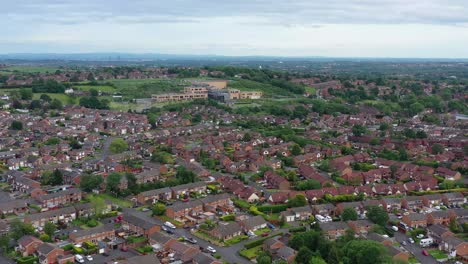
(320, 218)
(425, 242)
(79, 258)
(170, 225)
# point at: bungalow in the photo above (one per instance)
(354, 205)
(183, 252)
(226, 231)
(309, 172)
(278, 198)
(28, 244)
(202, 258)
(94, 235)
(288, 216)
(334, 230)
(62, 215)
(181, 210)
(397, 254)
(272, 244)
(141, 225)
(287, 254)
(327, 209)
(380, 238)
(253, 223)
(247, 193)
(453, 199)
(415, 220)
(163, 194)
(160, 240)
(438, 232)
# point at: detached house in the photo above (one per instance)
(276, 181)
(334, 230)
(27, 245)
(253, 223)
(227, 231)
(181, 210)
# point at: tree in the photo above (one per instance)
(113, 182)
(93, 92)
(16, 125)
(359, 130)
(159, 209)
(437, 148)
(333, 256)
(56, 104)
(310, 184)
(297, 201)
(247, 137)
(56, 178)
(365, 252)
(35, 104)
(184, 175)
(317, 260)
(89, 182)
(296, 150)
(26, 94)
(377, 215)
(45, 238)
(118, 145)
(349, 214)
(45, 98)
(49, 229)
(304, 255)
(265, 259)
(453, 226)
(19, 229)
(415, 108)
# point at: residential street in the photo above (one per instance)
(415, 249)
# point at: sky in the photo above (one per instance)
(331, 28)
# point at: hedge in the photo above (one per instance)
(27, 260)
(297, 229)
(229, 217)
(273, 208)
(68, 247)
(260, 241)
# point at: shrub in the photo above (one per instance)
(297, 229)
(229, 217)
(258, 242)
(27, 260)
(68, 247)
(272, 208)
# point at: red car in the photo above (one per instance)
(264, 234)
(424, 252)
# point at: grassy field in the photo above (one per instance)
(132, 89)
(438, 254)
(112, 199)
(30, 69)
(250, 253)
(102, 88)
(65, 99)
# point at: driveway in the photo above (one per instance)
(415, 249)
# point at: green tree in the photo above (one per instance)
(56, 104)
(247, 137)
(159, 209)
(113, 182)
(365, 252)
(333, 256)
(35, 104)
(45, 238)
(265, 259)
(304, 255)
(93, 92)
(184, 175)
(437, 148)
(349, 214)
(26, 94)
(377, 215)
(310, 184)
(89, 182)
(45, 98)
(49, 229)
(16, 125)
(297, 201)
(19, 229)
(359, 130)
(416, 108)
(56, 178)
(296, 150)
(118, 145)
(317, 260)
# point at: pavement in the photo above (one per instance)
(415, 249)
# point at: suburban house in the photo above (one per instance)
(63, 215)
(57, 199)
(379, 238)
(180, 191)
(226, 231)
(415, 220)
(28, 244)
(438, 232)
(276, 181)
(48, 253)
(455, 246)
(414, 202)
(302, 213)
(391, 204)
(360, 227)
(163, 194)
(397, 253)
(94, 235)
(181, 210)
(16, 207)
(334, 230)
(140, 225)
(279, 250)
(456, 199)
(253, 223)
(221, 202)
(438, 217)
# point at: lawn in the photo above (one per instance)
(114, 200)
(102, 88)
(234, 240)
(166, 218)
(413, 260)
(261, 231)
(31, 69)
(251, 253)
(438, 254)
(207, 237)
(65, 99)
(144, 88)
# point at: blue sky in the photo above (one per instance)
(339, 28)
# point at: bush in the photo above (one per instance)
(78, 250)
(92, 223)
(27, 260)
(144, 249)
(229, 217)
(68, 247)
(298, 229)
(272, 208)
(258, 242)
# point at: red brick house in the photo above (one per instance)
(276, 181)
(27, 245)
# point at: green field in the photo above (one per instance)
(144, 88)
(30, 69)
(65, 99)
(102, 88)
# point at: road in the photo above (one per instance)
(414, 249)
(105, 152)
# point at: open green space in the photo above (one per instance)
(102, 88)
(437, 254)
(65, 99)
(30, 69)
(250, 253)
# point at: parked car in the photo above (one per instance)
(170, 225)
(210, 249)
(191, 240)
(394, 228)
(89, 258)
(271, 226)
(411, 240)
(424, 252)
(420, 236)
(403, 243)
(265, 234)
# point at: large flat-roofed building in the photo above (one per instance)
(173, 97)
(217, 84)
(196, 89)
(251, 95)
(219, 95)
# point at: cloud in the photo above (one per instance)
(292, 12)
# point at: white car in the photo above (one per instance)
(420, 236)
(411, 240)
(210, 249)
(89, 258)
(170, 225)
